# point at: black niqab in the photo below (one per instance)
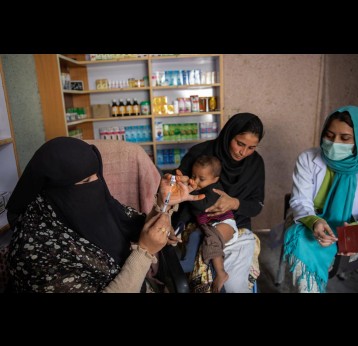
(88, 209)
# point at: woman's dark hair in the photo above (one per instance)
(341, 116)
(254, 126)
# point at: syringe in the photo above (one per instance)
(166, 202)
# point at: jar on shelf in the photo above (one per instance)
(145, 108)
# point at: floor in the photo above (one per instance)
(269, 261)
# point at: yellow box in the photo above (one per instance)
(101, 83)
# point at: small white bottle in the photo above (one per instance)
(176, 106)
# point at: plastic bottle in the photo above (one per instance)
(145, 108)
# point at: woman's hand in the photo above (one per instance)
(223, 204)
(179, 192)
(173, 239)
(154, 235)
(323, 233)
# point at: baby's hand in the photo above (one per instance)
(179, 192)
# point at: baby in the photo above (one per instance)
(206, 174)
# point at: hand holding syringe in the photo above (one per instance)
(167, 198)
(173, 191)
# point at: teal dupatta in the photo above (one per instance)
(299, 245)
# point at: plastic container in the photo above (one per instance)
(145, 108)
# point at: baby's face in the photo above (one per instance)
(203, 176)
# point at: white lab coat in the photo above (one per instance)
(308, 176)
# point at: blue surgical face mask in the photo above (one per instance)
(336, 151)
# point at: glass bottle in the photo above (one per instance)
(114, 108)
(121, 108)
(135, 108)
(128, 107)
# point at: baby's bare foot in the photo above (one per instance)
(219, 281)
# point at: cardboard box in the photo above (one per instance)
(101, 111)
(101, 83)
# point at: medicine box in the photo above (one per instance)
(101, 111)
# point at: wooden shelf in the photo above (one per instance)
(55, 100)
(102, 91)
(69, 60)
(183, 56)
(92, 120)
(182, 141)
(97, 91)
(131, 117)
(185, 114)
(142, 143)
(98, 62)
(149, 57)
(113, 61)
(75, 92)
(192, 86)
(135, 117)
(5, 141)
(77, 122)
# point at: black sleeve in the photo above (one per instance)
(252, 204)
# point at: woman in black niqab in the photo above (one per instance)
(87, 208)
(70, 234)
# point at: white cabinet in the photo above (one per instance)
(119, 71)
(8, 160)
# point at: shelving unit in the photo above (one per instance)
(55, 100)
(9, 169)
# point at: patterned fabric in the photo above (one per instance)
(47, 256)
(255, 268)
(201, 278)
(203, 218)
(4, 277)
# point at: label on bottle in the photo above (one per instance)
(136, 109)
(145, 108)
(114, 111)
(129, 109)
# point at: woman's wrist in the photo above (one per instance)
(159, 206)
(158, 203)
(237, 203)
(143, 252)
